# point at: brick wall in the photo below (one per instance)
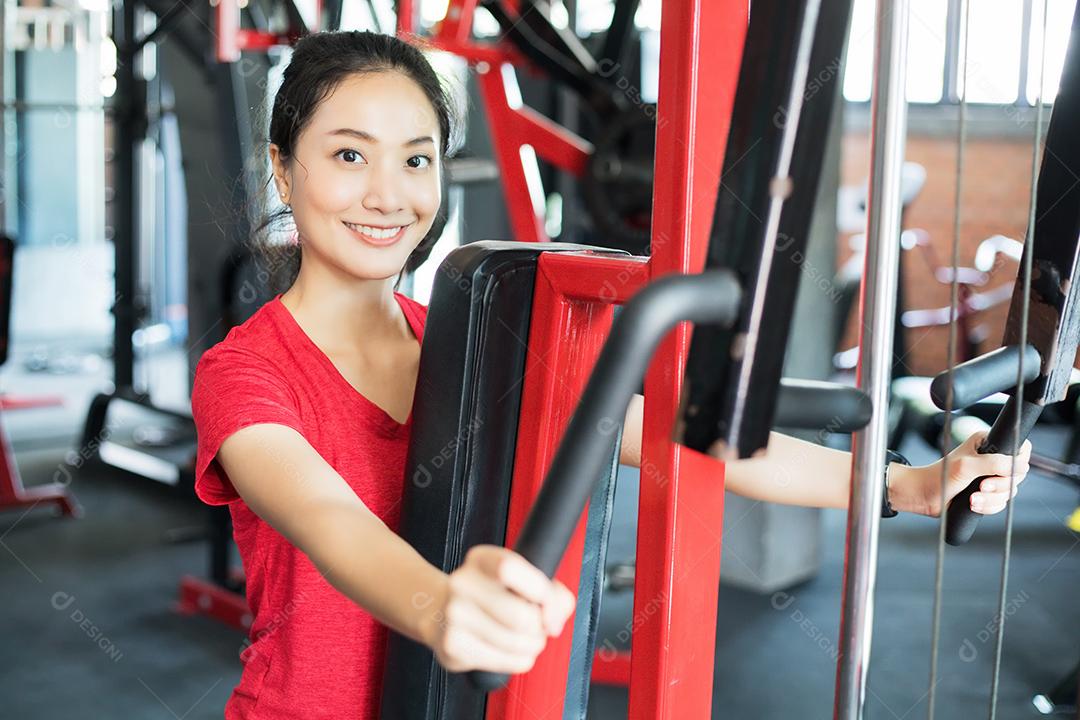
(997, 186)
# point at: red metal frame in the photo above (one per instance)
(230, 39)
(611, 668)
(512, 125)
(208, 598)
(406, 17)
(26, 402)
(681, 497)
(13, 496)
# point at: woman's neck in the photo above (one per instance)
(346, 317)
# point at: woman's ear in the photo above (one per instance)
(281, 173)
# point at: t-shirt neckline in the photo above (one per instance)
(384, 417)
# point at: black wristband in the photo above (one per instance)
(891, 456)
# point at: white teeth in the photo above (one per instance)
(377, 233)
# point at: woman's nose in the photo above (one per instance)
(383, 192)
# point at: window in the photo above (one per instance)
(1004, 51)
(594, 16)
(993, 52)
(927, 33)
(1059, 20)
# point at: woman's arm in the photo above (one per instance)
(290, 486)
(630, 451)
(793, 471)
(492, 613)
(797, 472)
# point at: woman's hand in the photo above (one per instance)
(496, 613)
(918, 489)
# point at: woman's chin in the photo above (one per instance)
(382, 266)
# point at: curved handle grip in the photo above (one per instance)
(816, 405)
(960, 521)
(981, 377)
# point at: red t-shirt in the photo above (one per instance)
(314, 653)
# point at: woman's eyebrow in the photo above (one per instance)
(368, 137)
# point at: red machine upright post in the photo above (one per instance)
(226, 31)
(681, 497)
(406, 18)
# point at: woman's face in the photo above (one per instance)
(364, 179)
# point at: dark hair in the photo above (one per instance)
(319, 63)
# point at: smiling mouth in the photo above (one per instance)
(375, 235)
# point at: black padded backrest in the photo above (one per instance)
(464, 436)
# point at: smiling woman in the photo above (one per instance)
(303, 412)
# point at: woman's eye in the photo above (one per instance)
(350, 156)
(419, 161)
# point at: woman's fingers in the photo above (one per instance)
(502, 603)
(558, 609)
(990, 503)
(477, 620)
(525, 579)
(511, 571)
(1001, 484)
(518, 594)
(987, 504)
(976, 439)
(998, 473)
(463, 650)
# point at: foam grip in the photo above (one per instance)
(960, 521)
(1005, 436)
(981, 377)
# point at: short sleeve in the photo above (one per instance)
(234, 389)
(415, 312)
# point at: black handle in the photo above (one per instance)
(815, 405)
(588, 443)
(981, 377)
(960, 521)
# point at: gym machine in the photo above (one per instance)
(168, 458)
(749, 295)
(572, 291)
(728, 413)
(13, 495)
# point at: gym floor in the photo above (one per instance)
(90, 630)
